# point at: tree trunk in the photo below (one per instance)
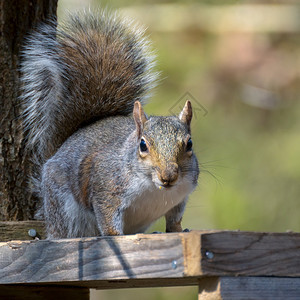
(17, 18)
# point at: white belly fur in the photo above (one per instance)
(152, 204)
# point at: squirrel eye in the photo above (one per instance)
(143, 146)
(189, 145)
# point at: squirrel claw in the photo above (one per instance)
(156, 232)
(186, 230)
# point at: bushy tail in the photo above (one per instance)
(91, 67)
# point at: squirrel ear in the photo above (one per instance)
(139, 117)
(186, 114)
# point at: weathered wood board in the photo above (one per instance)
(149, 259)
(251, 254)
(107, 258)
(19, 230)
(258, 288)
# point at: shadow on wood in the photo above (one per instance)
(225, 264)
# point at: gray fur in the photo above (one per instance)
(55, 83)
(79, 88)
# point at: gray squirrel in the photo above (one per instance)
(105, 167)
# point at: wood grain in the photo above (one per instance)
(19, 230)
(251, 254)
(258, 288)
(106, 258)
(149, 259)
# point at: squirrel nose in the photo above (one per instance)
(169, 174)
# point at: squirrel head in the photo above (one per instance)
(165, 144)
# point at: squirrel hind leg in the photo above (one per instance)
(64, 216)
(53, 208)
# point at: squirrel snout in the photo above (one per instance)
(169, 174)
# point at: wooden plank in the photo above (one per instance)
(192, 253)
(250, 254)
(132, 283)
(149, 259)
(106, 258)
(20, 292)
(258, 288)
(19, 230)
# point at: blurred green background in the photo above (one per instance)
(239, 64)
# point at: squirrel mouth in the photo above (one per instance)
(165, 186)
